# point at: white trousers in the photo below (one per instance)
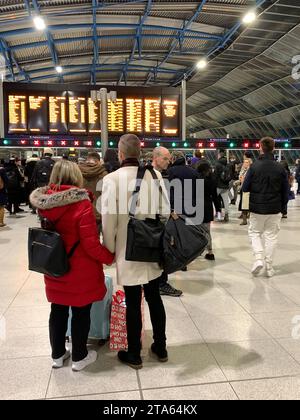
(263, 233)
(225, 197)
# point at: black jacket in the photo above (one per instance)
(220, 168)
(42, 172)
(3, 192)
(298, 173)
(179, 170)
(210, 197)
(267, 182)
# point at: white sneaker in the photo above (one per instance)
(90, 358)
(270, 272)
(58, 363)
(257, 267)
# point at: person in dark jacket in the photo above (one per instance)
(223, 177)
(161, 160)
(3, 195)
(267, 182)
(285, 165)
(43, 169)
(297, 175)
(179, 170)
(211, 199)
(111, 161)
(29, 171)
(14, 187)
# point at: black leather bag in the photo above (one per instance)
(144, 237)
(182, 243)
(47, 254)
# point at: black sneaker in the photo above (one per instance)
(134, 362)
(161, 354)
(168, 290)
(210, 257)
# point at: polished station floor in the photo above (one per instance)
(230, 336)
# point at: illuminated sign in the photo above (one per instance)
(170, 115)
(134, 115)
(94, 116)
(152, 115)
(17, 114)
(116, 116)
(77, 113)
(57, 114)
(37, 121)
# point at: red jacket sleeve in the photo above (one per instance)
(89, 238)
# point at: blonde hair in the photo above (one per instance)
(66, 173)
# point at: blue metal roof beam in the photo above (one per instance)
(105, 67)
(99, 37)
(133, 26)
(95, 40)
(11, 60)
(50, 39)
(137, 42)
(180, 38)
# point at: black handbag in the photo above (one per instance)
(46, 251)
(182, 243)
(144, 237)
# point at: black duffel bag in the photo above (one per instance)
(182, 243)
(144, 237)
(46, 251)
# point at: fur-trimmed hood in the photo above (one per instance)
(46, 198)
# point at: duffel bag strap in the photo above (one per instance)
(135, 194)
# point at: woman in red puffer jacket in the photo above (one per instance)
(69, 207)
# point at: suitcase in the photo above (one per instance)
(100, 315)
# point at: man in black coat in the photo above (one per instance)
(297, 175)
(223, 176)
(267, 182)
(161, 160)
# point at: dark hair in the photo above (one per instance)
(198, 154)
(267, 144)
(93, 155)
(110, 156)
(248, 154)
(204, 168)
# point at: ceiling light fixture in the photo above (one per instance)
(59, 69)
(39, 23)
(202, 64)
(249, 17)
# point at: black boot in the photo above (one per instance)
(161, 354)
(130, 359)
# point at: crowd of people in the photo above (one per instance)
(67, 194)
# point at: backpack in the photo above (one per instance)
(46, 251)
(43, 172)
(226, 174)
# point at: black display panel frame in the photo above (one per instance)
(122, 92)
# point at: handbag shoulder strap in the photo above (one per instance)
(135, 195)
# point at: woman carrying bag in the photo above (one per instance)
(67, 206)
(244, 201)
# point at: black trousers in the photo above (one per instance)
(58, 325)
(134, 316)
(163, 279)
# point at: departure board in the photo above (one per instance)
(152, 115)
(94, 116)
(37, 121)
(134, 115)
(170, 115)
(77, 113)
(17, 114)
(116, 116)
(58, 114)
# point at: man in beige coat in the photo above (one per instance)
(116, 197)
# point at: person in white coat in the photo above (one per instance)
(116, 196)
